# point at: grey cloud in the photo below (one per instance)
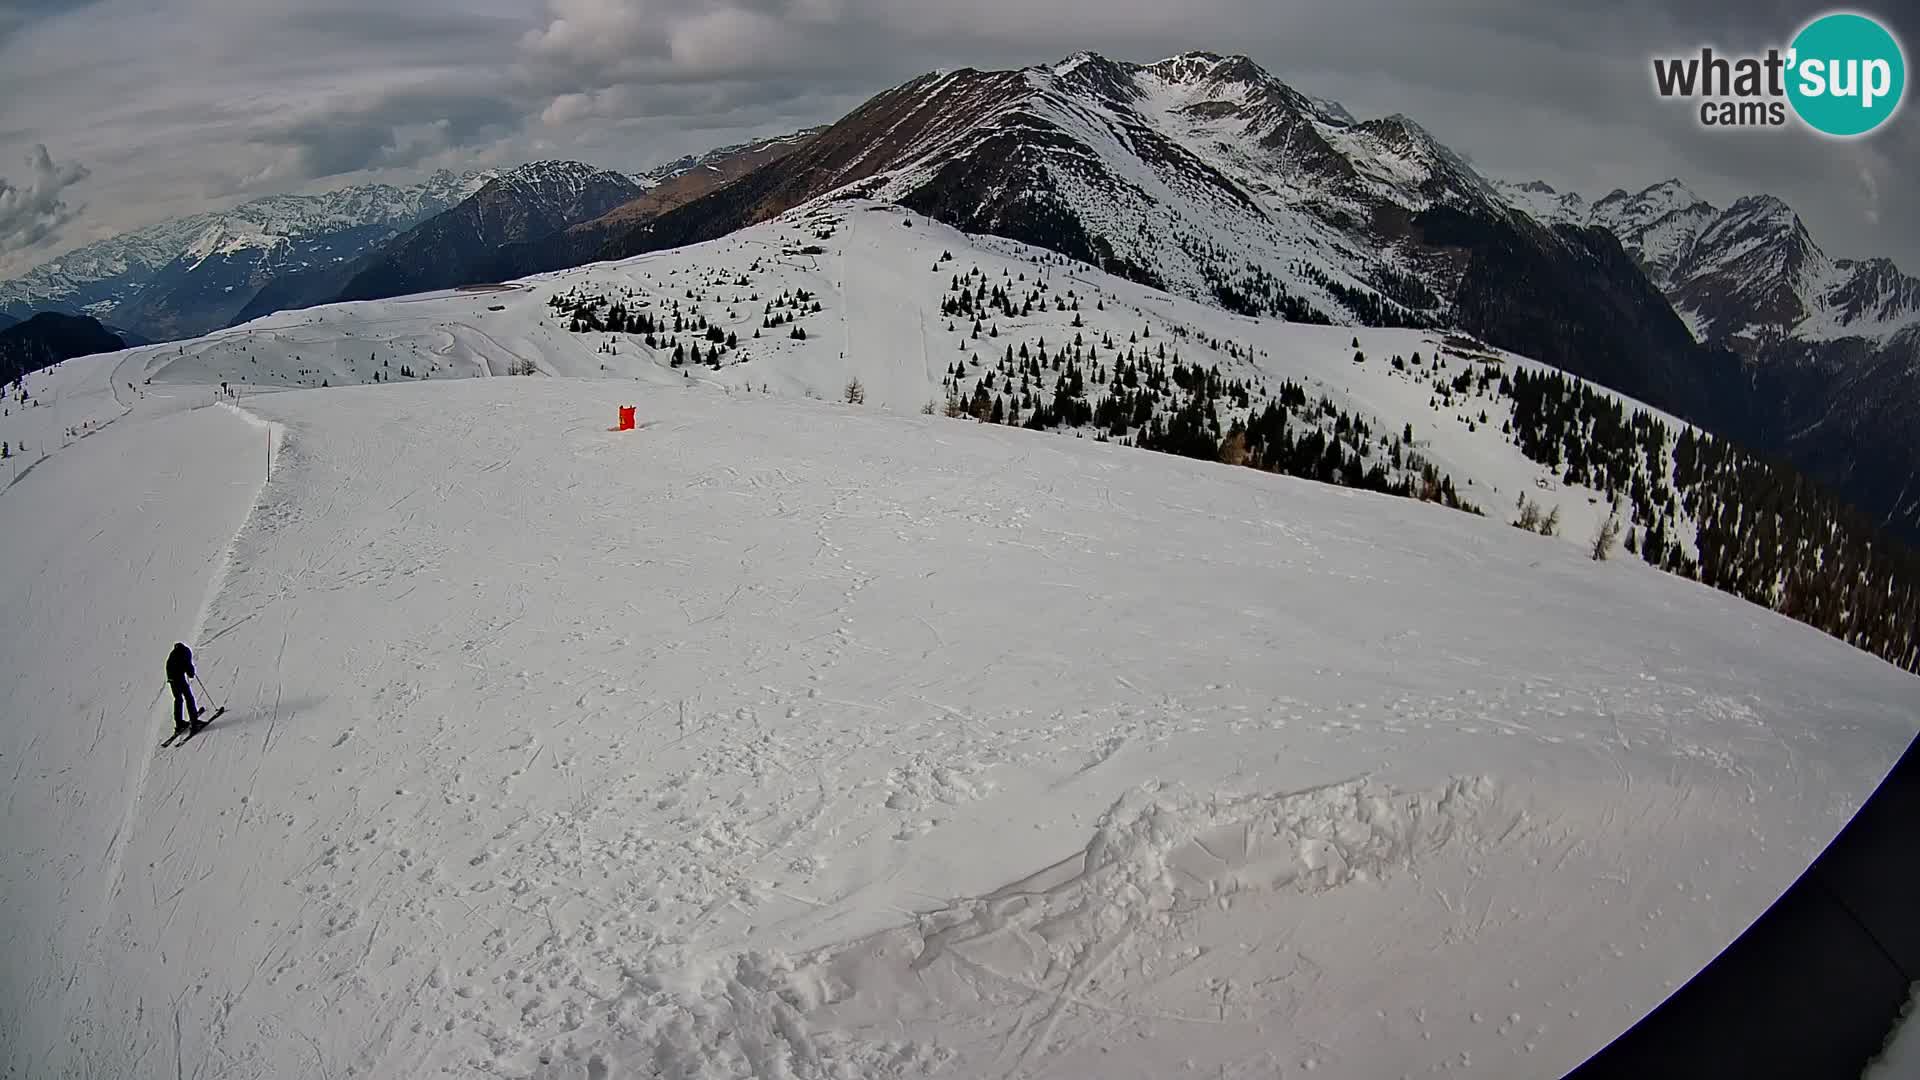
(394, 129)
(359, 25)
(16, 16)
(33, 214)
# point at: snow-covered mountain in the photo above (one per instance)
(723, 159)
(183, 277)
(549, 213)
(783, 737)
(664, 188)
(1832, 345)
(1658, 225)
(1750, 274)
(1201, 174)
(1204, 175)
(567, 189)
(456, 246)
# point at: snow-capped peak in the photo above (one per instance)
(1199, 66)
(1073, 63)
(1764, 209)
(1410, 157)
(1545, 203)
(228, 238)
(1763, 226)
(1624, 213)
(1674, 190)
(566, 186)
(551, 173)
(660, 174)
(1331, 110)
(1748, 273)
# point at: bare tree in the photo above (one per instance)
(1608, 534)
(1551, 526)
(1233, 450)
(1529, 514)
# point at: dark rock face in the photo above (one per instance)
(457, 247)
(47, 339)
(675, 185)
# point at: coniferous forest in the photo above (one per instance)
(1760, 529)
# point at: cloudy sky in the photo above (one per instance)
(117, 113)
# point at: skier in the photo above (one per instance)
(179, 670)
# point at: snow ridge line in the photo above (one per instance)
(215, 583)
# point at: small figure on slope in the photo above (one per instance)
(179, 670)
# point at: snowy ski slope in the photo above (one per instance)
(787, 738)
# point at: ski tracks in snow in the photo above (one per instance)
(731, 747)
(215, 580)
(92, 644)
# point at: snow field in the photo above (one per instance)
(788, 738)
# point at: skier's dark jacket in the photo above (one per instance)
(179, 665)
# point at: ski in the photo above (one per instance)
(178, 739)
(202, 725)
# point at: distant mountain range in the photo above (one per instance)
(185, 277)
(1749, 275)
(548, 214)
(188, 276)
(47, 339)
(1831, 347)
(446, 249)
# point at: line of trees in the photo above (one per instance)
(1705, 509)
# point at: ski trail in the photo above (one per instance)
(215, 582)
(168, 488)
(884, 313)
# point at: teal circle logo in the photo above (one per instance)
(1847, 74)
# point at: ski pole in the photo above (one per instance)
(203, 691)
